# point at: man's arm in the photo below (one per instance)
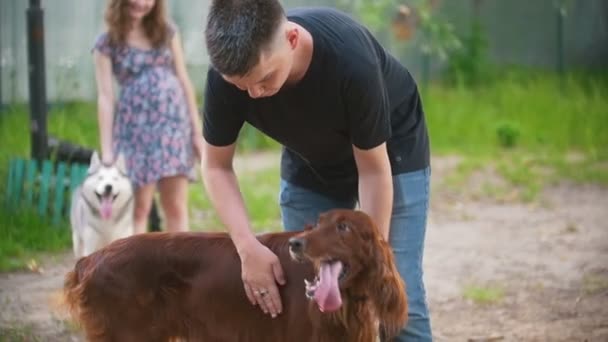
(222, 186)
(369, 116)
(261, 268)
(375, 185)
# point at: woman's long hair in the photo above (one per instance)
(118, 21)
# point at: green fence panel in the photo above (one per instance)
(19, 173)
(47, 189)
(30, 181)
(45, 183)
(10, 182)
(59, 191)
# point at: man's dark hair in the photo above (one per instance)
(238, 30)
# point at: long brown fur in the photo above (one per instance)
(160, 286)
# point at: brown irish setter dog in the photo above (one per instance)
(164, 286)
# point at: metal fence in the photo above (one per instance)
(519, 32)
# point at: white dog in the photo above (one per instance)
(102, 207)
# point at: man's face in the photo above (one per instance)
(272, 71)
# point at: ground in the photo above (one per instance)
(495, 270)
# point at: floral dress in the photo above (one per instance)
(152, 126)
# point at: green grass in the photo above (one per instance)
(23, 234)
(594, 283)
(260, 192)
(521, 125)
(483, 294)
(17, 332)
(74, 122)
(524, 126)
(26, 236)
(464, 120)
(261, 195)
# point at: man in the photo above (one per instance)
(351, 124)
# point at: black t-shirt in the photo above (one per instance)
(354, 93)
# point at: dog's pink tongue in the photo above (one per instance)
(105, 209)
(327, 294)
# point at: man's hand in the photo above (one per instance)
(261, 271)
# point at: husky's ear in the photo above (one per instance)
(121, 164)
(95, 162)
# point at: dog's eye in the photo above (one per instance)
(343, 227)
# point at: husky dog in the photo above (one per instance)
(102, 207)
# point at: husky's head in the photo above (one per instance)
(107, 189)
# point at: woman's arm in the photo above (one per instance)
(105, 104)
(182, 75)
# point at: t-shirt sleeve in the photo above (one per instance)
(223, 114)
(367, 105)
(102, 44)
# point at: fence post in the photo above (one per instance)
(37, 80)
(560, 10)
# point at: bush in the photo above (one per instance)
(508, 134)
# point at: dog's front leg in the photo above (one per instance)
(77, 245)
(91, 241)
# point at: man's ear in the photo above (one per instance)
(293, 37)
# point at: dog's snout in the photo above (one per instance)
(108, 189)
(296, 245)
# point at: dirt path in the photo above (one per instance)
(546, 262)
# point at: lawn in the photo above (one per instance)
(526, 126)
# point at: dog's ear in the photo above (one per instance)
(121, 164)
(95, 163)
(388, 291)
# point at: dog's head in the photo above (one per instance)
(352, 260)
(107, 188)
(344, 246)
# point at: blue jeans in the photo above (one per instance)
(300, 206)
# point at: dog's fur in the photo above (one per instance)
(158, 286)
(102, 207)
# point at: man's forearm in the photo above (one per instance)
(376, 199)
(223, 190)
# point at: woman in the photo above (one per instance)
(154, 121)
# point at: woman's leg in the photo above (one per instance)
(143, 201)
(174, 200)
(407, 234)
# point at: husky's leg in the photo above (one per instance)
(124, 231)
(91, 241)
(77, 245)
